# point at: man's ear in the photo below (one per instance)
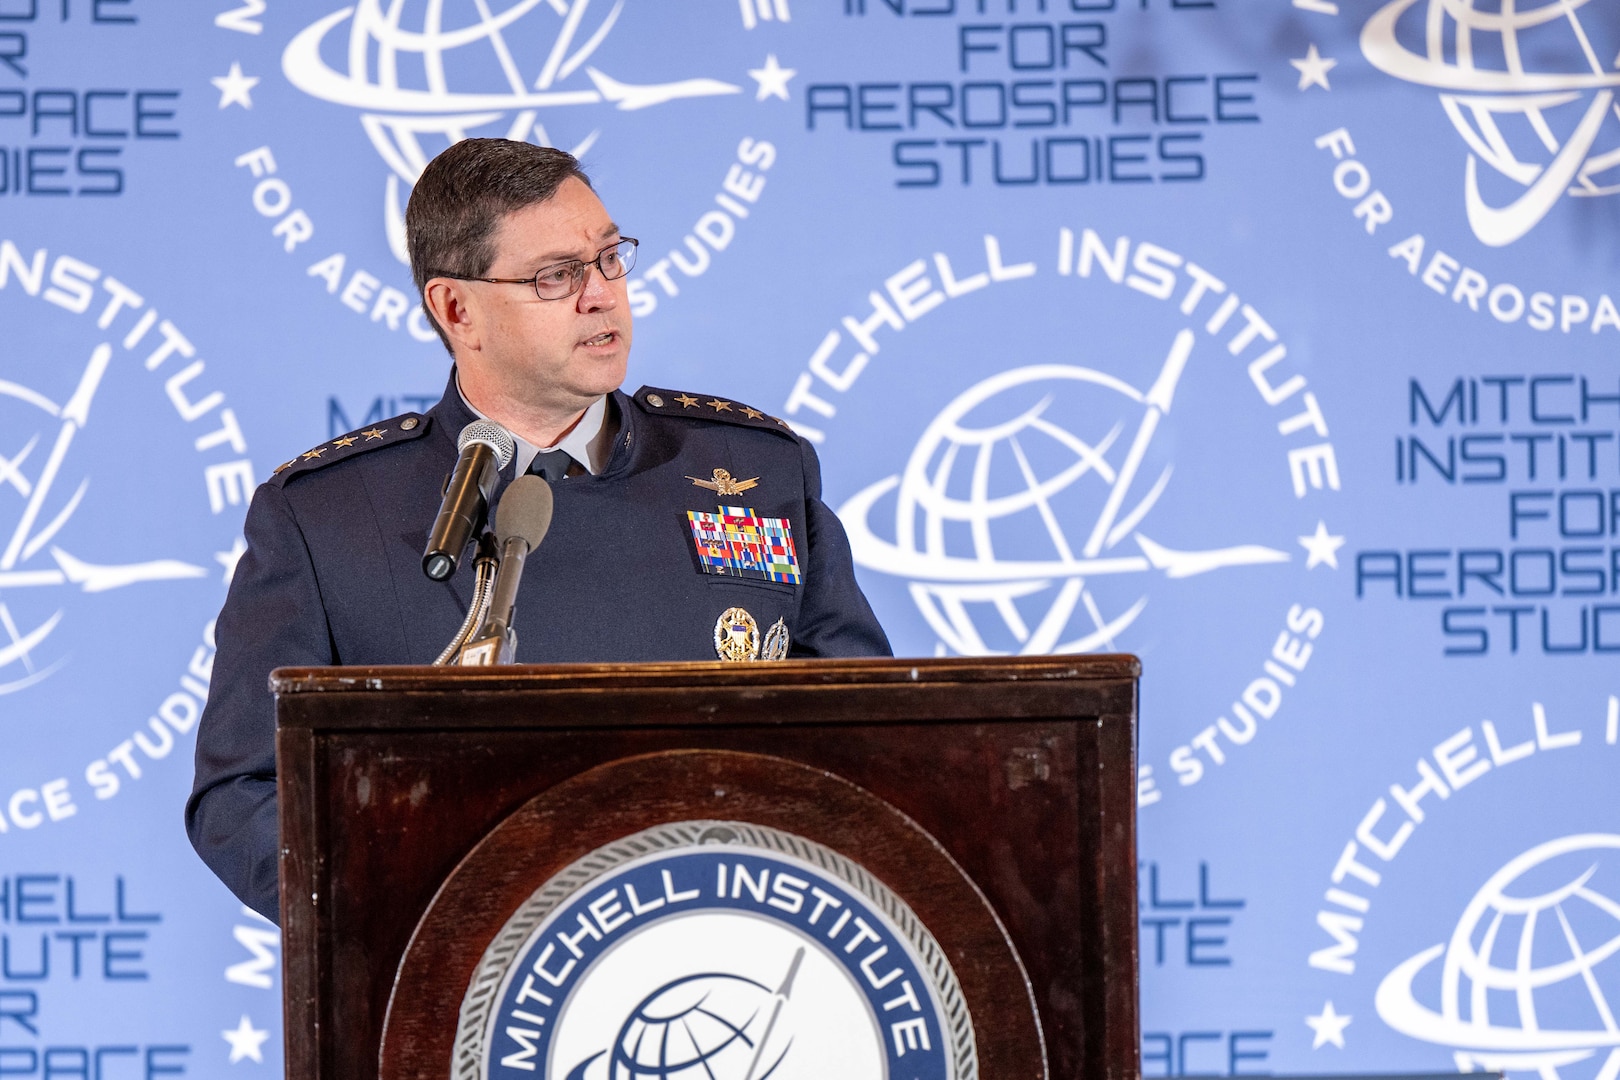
(449, 301)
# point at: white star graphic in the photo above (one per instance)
(229, 559)
(1321, 547)
(245, 1041)
(1329, 1027)
(234, 87)
(772, 78)
(1313, 69)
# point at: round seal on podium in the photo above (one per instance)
(710, 914)
(716, 948)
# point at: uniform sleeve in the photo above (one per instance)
(834, 617)
(272, 617)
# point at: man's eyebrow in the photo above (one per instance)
(565, 256)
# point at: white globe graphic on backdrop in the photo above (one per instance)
(1021, 499)
(1529, 979)
(429, 73)
(41, 488)
(1529, 87)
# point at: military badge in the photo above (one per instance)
(738, 543)
(775, 645)
(736, 636)
(724, 483)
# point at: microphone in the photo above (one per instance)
(521, 522)
(485, 449)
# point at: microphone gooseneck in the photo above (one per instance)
(485, 565)
(521, 522)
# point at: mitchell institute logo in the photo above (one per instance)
(709, 950)
(1529, 88)
(1538, 941)
(35, 469)
(986, 510)
(424, 85)
(713, 1024)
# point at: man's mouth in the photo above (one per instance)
(604, 338)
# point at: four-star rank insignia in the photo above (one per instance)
(738, 543)
(400, 429)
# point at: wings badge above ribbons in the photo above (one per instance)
(738, 543)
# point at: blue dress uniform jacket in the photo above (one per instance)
(333, 575)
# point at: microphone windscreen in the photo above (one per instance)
(491, 435)
(524, 510)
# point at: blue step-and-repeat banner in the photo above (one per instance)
(1276, 343)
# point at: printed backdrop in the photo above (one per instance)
(1274, 343)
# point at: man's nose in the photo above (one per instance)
(596, 292)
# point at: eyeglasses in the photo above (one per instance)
(561, 280)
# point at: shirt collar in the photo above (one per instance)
(588, 443)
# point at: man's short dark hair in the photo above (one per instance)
(462, 196)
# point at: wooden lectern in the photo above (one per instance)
(930, 863)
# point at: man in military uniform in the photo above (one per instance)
(672, 509)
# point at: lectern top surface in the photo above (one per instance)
(806, 673)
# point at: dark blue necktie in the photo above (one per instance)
(554, 465)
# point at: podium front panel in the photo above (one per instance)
(391, 779)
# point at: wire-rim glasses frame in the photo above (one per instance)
(561, 280)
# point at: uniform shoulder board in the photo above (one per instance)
(702, 407)
(399, 429)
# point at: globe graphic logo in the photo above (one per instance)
(35, 470)
(1011, 518)
(428, 73)
(702, 1027)
(709, 1026)
(1529, 979)
(1529, 87)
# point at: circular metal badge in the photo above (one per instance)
(736, 636)
(717, 949)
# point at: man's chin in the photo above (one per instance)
(604, 374)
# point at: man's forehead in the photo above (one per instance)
(572, 223)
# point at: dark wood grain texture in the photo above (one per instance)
(1022, 769)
